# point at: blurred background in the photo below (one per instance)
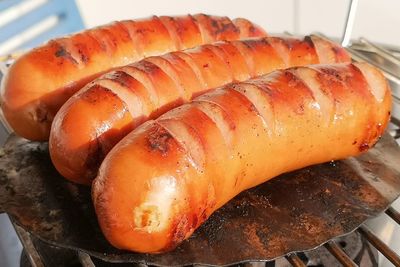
(27, 23)
(375, 20)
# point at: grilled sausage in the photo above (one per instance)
(101, 114)
(42, 80)
(167, 176)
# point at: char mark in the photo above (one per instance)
(62, 52)
(158, 140)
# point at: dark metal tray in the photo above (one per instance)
(294, 212)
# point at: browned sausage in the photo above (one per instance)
(166, 177)
(40, 82)
(101, 114)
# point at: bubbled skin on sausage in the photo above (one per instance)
(165, 178)
(103, 112)
(40, 82)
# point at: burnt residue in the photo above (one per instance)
(288, 42)
(333, 74)
(98, 93)
(158, 140)
(63, 53)
(292, 212)
(181, 29)
(221, 27)
(264, 87)
(182, 227)
(194, 22)
(364, 146)
(124, 29)
(92, 35)
(108, 41)
(293, 80)
(254, 43)
(148, 67)
(83, 56)
(307, 39)
(336, 50)
(252, 29)
(216, 25)
(121, 77)
(144, 31)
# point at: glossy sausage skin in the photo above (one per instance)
(102, 113)
(165, 178)
(42, 80)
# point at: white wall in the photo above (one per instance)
(376, 20)
(278, 15)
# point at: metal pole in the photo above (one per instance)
(351, 15)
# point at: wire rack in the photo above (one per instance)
(387, 59)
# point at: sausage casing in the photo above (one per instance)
(40, 81)
(166, 177)
(103, 112)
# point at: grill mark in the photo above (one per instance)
(281, 49)
(260, 84)
(253, 44)
(171, 73)
(248, 57)
(222, 47)
(188, 138)
(142, 77)
(260, 101)
(124, 93)
(111, 40)
(320, 94)
(94, 38)
(296, 82)
(324, 50)
(130, 26)
(92, 98)
(148, 67)
(62, 52)
(170, 26)
(369, 75)
(307, 39)
(185, 56)
(102, 36)
(135, 91)
(195, 23)
(235, 88)
(252, 28)
(222, 25)
(134, 54)
(152, 70)
(218, 52)
(172, 37)
(329, 76)
(202, 29)
(247, 28)
(128, 32)
(183, 68)
(68, 50)
(147, 104)
(124, 29)
(220, 118)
